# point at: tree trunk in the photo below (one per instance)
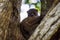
(48, 26)
(9, 20)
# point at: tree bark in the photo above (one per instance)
(48, 26)
(9, 20)
(47, 6)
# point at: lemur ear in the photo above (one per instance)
(32, 11)
(29, 11)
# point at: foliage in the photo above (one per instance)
(37, 5)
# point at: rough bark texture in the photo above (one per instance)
(47, 6)
(9, 20)
(48, 26)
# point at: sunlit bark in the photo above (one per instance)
(48, 26)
